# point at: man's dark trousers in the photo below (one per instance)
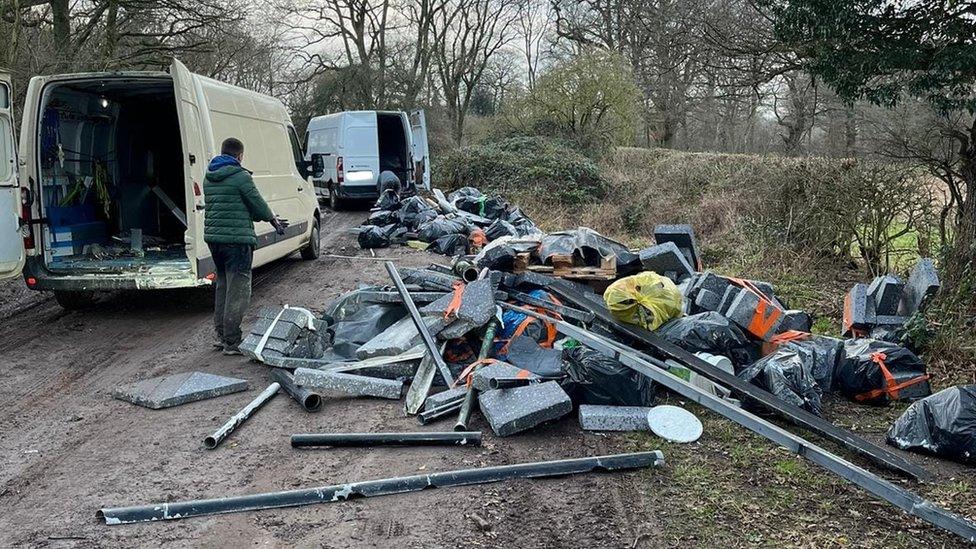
(233, 289)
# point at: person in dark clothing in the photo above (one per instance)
(232, 205)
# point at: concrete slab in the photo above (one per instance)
(667, 260)
(707, 300)
(168, 391)
(348, 384)
(613, 418)
(760, 321)
(445, 397)
(886, 291)
(511, 411)
(923, 283)
(683, 236)
(858, 310)
(795, 319)
(399, 338)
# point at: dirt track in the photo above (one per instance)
(69, 448)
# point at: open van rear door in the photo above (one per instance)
(421, 150)
(12, 253)
(194, 163)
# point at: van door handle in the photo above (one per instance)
(300, 189)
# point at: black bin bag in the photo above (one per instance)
(707, 332)
(943, 424)
(877, 372)
(788, 374)
(597, 379)
(373, 236)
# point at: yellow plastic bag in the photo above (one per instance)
(646, 299)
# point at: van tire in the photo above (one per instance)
(311, 250)
(74, 300)
(335, 203)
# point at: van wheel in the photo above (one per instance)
(311, 250)
(335, 202)
(74, 300)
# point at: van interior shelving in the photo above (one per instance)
(112, 186)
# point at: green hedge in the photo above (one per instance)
(519, 166)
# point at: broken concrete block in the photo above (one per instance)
(399, 338)
(445, 397)
(666, 260)
(482, 377)
(348, 384)
(613, 418)
(889, 320)
(795, 319)
(923, 283)
(759, 318)
(712, 282)
(707, 300)
(765, 287)
(683, 236)
(477, 303)
(858, 310)
(886, 291)
(514, 410)
(168, 391)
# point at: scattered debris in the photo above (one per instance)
(177, 389)
(886, 303)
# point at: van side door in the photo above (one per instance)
(420, 149)
(12, 252)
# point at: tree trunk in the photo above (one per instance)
(62, 23)
(960, 266)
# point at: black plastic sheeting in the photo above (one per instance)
(827, 353)
(415, 211)
(587, 244)
(353, 323)
(500, 228)
(943, 424)
(708, 332)
(787, 373)
(598, 379)
(858, 374)
(383, 217)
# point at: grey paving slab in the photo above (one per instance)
(667, 260)
(482, 376)
(168, 391)
(399, 338)
(348, 384)
(511, 411)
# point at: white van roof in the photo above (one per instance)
(323, 120)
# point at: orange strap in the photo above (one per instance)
(766, 315)
(469, 371)
(455, 304)
(785, 337)
(891, 387)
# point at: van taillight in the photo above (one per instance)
(340, 175)
(29, 234)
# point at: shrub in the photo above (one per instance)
(521, 167)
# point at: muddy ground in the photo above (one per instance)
(69, 448)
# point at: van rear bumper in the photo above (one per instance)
(358, 191)
(46, 279)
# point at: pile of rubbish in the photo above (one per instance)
(459, 224)
(527, 328)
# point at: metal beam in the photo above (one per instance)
(418, 322)
(335, 440)
(653, 368)
(373, 488)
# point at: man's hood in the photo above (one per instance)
(222, 167)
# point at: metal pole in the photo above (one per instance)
(334, 440)
(464, 414)
(576, 314)
(219, 435)
(310, 401)
(428, 416)
(418, 321)
(905, 500)
(389, 486)
(510, 382)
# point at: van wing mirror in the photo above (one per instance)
(318, 165)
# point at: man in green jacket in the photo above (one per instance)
(232, 205)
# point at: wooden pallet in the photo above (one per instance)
(563, 266)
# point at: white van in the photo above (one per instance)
(357, 145)
(111, 169)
